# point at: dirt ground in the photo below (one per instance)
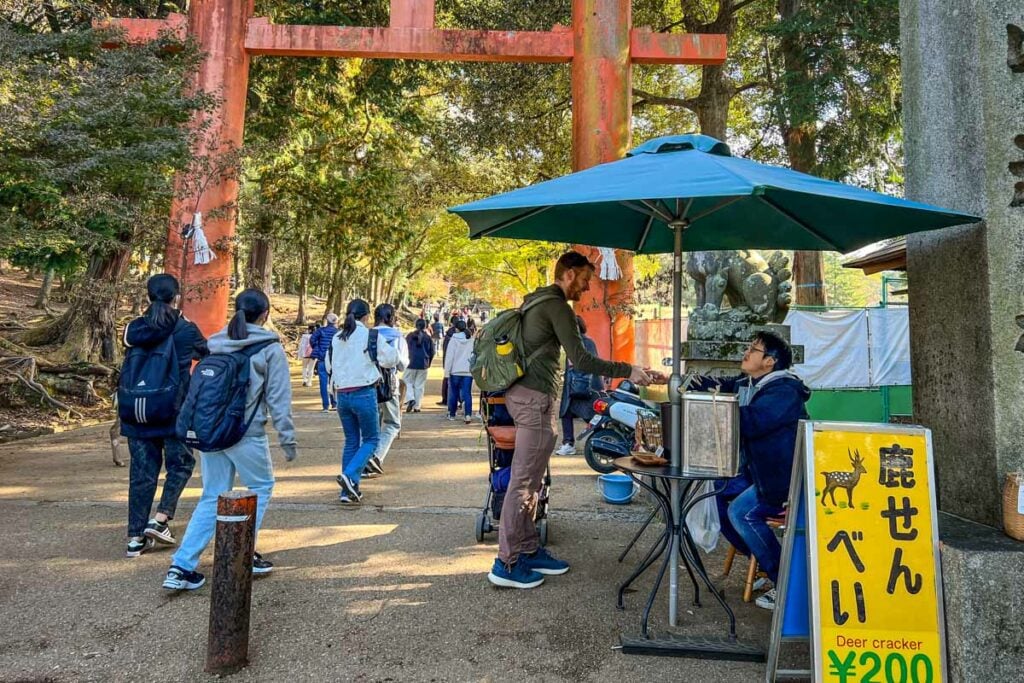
(18, 291)
(394, 591)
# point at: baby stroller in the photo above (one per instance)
(501, 442)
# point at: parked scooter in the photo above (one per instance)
(612, 431)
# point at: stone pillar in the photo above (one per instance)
(963, 107)
(601, 110)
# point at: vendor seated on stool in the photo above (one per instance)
(771, 399)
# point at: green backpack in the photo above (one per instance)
(498, 359)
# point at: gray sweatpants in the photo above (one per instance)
(390, 425)
(533, 412)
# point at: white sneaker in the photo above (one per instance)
(766, 601)
(566, 449)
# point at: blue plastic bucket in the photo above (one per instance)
(617, 489)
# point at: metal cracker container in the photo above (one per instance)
(711, 434)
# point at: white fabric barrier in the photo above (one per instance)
(890, 345)
(835, 348)
(844, 349)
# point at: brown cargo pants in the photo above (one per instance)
(534, 414)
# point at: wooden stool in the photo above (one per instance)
(778, 523)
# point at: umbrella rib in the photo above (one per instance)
(799, 222)
(653, 206)
(643, 238)
(511, 221)
(644, 210)
(717, 207)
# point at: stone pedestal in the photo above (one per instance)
(722, 358)
(963, 103)
(981, 570)
(963, 106)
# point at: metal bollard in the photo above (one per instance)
(227, 649)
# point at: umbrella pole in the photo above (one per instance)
(676, 399)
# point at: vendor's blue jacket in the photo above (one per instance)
(770, 409)
(320, 341)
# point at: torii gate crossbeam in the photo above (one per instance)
(601, 45)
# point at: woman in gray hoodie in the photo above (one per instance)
(269, 391)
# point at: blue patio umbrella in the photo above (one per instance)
(721, 201)
(688, 193)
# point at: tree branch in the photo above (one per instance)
(740, 5)
(747, 86)
(650, 98)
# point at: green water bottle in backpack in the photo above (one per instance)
(498, 359)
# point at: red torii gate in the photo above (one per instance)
(601, 45)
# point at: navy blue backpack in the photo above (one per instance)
(149, 386)
(213, 415)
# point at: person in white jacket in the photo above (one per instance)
(354, 378)
(456, 369)
(308, 363)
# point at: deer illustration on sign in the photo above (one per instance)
(846, 480)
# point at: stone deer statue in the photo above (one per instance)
(845, 480)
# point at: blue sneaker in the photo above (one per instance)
(544, 562)
(517, 575)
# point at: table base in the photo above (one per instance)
(700, 647)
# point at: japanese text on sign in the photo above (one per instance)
(874, 546)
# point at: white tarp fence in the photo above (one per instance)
(843, 349)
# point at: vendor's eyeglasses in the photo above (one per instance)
(755, 349)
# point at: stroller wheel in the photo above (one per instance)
(542, 530)
(481, 527)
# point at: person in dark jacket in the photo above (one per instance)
(571, 407)
(319, 343)
(772, 402)
(154, 445)
(436, 329)
(421, 354)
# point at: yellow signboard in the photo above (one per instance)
(873, 548)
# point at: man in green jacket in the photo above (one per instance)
(548, 326)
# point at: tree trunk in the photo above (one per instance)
(390, 291)
(236, 268)
(87, 331)
(43, 298)
(260, 267)
(712, 105)
(798, 134)
(300, 317)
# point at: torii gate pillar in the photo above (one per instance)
(601, 114)
(219, 26)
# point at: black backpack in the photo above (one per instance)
(388, 382)
(149, 388)
(213, 415)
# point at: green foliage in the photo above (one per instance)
(851, 88)
(849, 286)
(90, 140)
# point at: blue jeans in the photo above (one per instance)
(325, 395)
(361, 423)
(743, 518)
(460, 388)
(250, 458)
(148, 455)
